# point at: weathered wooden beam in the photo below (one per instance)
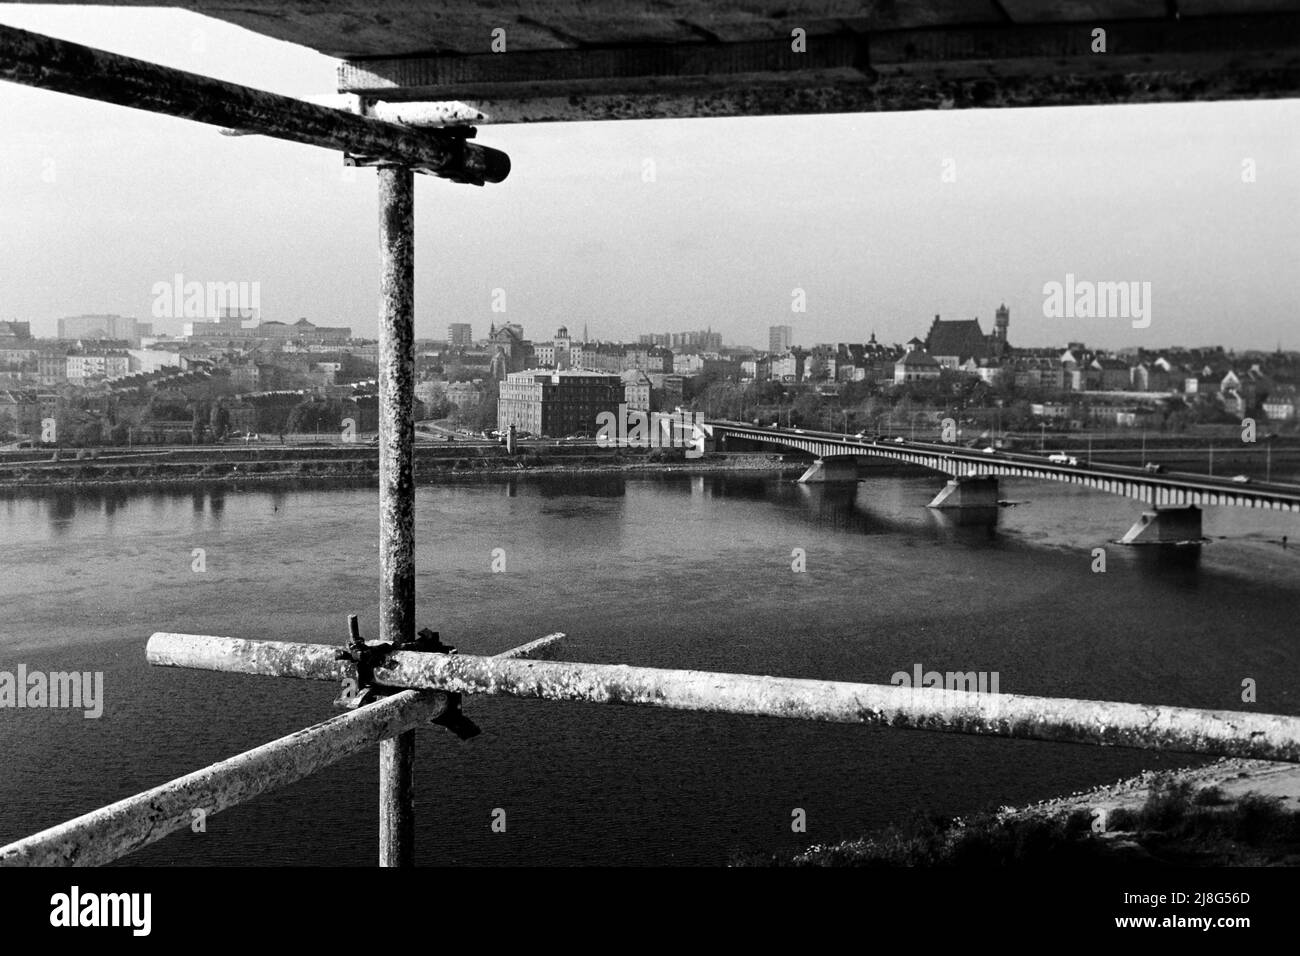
(1104, 723)
(40, 61)
(1004, 65)
(110, 832)
(618, 69)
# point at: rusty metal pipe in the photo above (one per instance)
(396, 405)
(103, 835)
(108, 833)
(1104, 723)
(396, 489)
(35, 60)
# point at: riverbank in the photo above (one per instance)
(364, 471)
(1232, 812)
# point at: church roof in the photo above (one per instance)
(960, 337)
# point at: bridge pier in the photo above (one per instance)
(1166, 526)
(968, 491)
(831, 469)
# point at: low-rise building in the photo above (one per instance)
(85, 367)
(14, 356)
(20, 412)
(637, 391)
(916, 365)
(152, 360)
(1112, 374)
(789, 366)
(1053, 411)
(11, 332)
(1282, 404)
(52, 368)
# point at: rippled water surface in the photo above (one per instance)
(667, 572)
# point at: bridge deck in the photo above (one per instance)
(1163, 488)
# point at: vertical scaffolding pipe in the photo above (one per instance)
(396, 487)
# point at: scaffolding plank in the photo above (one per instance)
(1150, 60)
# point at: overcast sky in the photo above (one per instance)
(98, 203)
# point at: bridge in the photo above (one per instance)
(1175, 498)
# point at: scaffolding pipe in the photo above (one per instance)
(1104, 723)
(104, 835)
(44, 62)
(108, 833)
(396, 488)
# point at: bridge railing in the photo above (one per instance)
(425, 685)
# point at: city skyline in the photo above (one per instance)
(155, 328)
(880, 220)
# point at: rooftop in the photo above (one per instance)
(960, 337)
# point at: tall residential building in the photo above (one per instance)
(704, 339)
(228, 323)
(116, 327)
(779, 339)
(460, 335)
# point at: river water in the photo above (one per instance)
(663, 571)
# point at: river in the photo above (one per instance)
(663, 571)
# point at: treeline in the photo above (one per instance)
(83, 423)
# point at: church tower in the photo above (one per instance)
(998, 345)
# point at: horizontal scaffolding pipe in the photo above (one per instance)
(50, 64)
(108, 833)
(1104, 723)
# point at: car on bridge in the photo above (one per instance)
(1241, 479)
(1153, 468)
(1061, 458)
